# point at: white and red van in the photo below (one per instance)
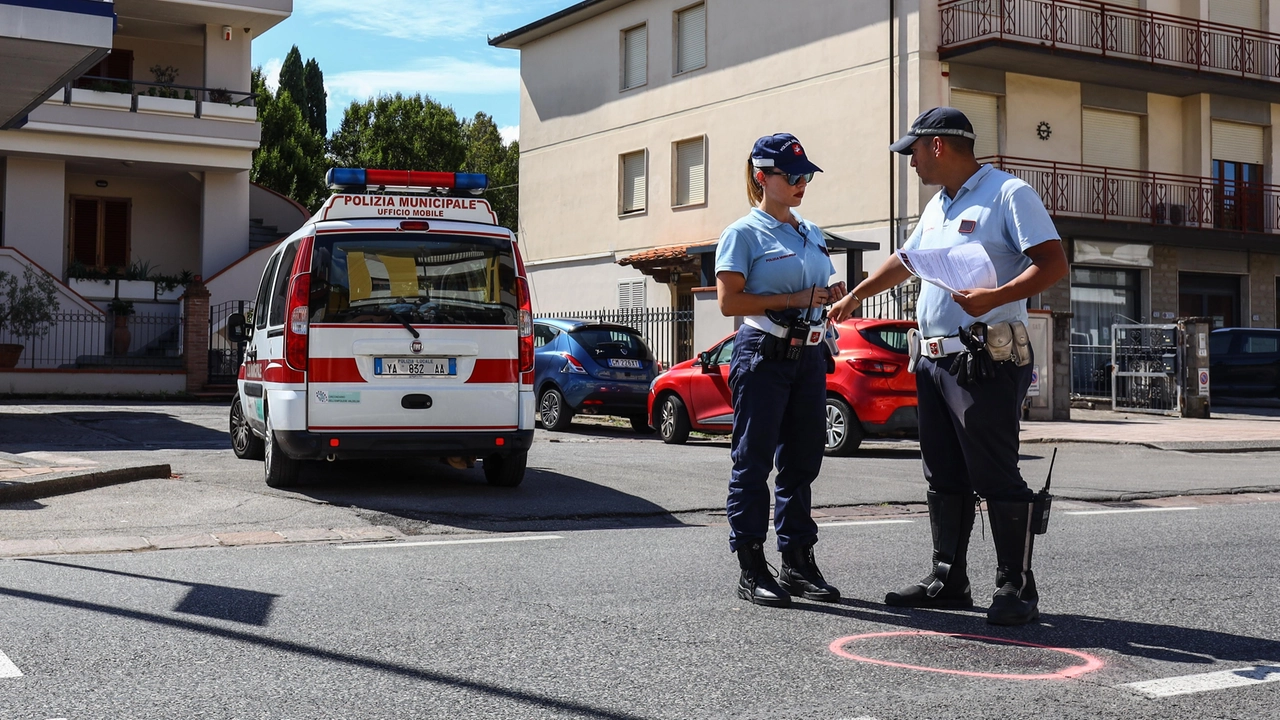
(395, 323)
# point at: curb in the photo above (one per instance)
(1187, 446)
(36, 489)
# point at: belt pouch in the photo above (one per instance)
(1021, 344)
(1000, 342)
(913, 349)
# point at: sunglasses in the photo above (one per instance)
(793, 179)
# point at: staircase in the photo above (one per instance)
(261, 235)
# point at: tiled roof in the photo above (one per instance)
(656, 255)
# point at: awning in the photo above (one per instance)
(44, 44)
(661, 262)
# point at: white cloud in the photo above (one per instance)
(509, 133)
(271, 73)
(432, 76)
(425, 19)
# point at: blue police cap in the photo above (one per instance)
(784, 152)
(938, 121)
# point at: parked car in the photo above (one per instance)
(1244, 363)
(593, 368)
(870, 392)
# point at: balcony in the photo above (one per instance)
(1086, 41)
(1170, 209)
(42, 45)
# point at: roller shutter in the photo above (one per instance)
(691, 172)
(1237, 142)
(1111, 139)
(984, 112)
(1240, 13)
(633, 182)
(691, 38)
(635, 57)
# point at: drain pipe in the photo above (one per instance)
(893, 135)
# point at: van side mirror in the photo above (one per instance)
(237, 330)
(707, 361)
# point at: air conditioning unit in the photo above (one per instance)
(1170, 214)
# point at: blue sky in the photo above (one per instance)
(436, 47)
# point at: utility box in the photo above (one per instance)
(1193, 356)
(1040, 394)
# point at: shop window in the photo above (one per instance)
(1210, 295)
(1100, 298)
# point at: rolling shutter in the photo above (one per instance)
(635, 57)
(984, 112)
(691, 172)
(1237, 142)
(1111, 139)
(691, 38)
(1240, 13)
(633, 182)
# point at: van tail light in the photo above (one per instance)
(868, 366)
(525, 321)
(572, 365)
(297, 317)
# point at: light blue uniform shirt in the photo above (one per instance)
(773, 256)
(993, 208)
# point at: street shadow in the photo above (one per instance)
(21, 504)
(105, 430)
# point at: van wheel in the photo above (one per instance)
(244, 443)
(506, 470)
(673, 421)
(844, 431)
(554, 413)
(640, 423)
(279, 470)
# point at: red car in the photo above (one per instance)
(870, 392)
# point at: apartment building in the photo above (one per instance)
(1146, 126)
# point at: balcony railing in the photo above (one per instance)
(140, 89)
(1137, 196)
(1104, 30)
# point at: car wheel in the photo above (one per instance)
(673, 421)
(844, 432)
(506, 470)
(640, 423)
(244, 443)
(279, 470)
(554, 413)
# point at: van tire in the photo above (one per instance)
(244, 443)
(553, 411)
(673, 420)
(279, 470)
(506, 470)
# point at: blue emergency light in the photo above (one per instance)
(348, 178)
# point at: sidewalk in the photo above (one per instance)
(1234, 429)
(33, 475)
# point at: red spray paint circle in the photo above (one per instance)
(1090, 664)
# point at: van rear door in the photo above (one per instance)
(413, 331)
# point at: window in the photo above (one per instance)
(280, 291)
(984, 112)
(1262, 344)
(724, 355)
(635, 57)
(691, 38)
(1111, 139)
(632, 193)
(264, 294)
(117, 66)
(544, 335)
(690, 172)
(1100, 298)
(100, 232)
(631, 294)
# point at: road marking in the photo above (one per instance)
(1186, 684)
(358, 546)
(7, 668)
(1125, 510)
(864, 522)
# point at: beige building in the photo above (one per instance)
(1146, 125)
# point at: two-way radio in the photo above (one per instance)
(1043, 502)
(798, 330)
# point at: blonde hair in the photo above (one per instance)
(755, 191)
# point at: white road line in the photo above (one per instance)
(7, 668)
(361, 546)
(1205, 682)
(1125, 510)
(864, 522)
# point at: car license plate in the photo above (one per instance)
(624, 363)
(415, 366)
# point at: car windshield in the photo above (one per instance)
(889, 337)
(612, 342)
(435, 279)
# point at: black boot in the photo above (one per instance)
(800, 576)
(947, 586)
(756, 582)
(1016, 601)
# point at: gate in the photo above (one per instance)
(667, 331)
(225, 356)
(1145, 369)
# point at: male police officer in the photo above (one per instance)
(970, 398)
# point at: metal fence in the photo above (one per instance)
(93, 340)
(1145, 365)
(667, 331)
(225, 355)
(898, 303)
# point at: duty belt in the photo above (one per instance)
(764, 324)
(940, 347)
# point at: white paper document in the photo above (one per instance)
(954, 269)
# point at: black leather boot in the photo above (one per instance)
(756, 582)
(800, 576)
(1016, 601)
(947, 586)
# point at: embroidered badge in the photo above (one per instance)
(814, 337)
(968, 226)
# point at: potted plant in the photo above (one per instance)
(120, 335)
(27, 310)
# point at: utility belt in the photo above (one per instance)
(1002, 342)
(788, 341)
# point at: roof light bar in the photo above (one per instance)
(359, 177)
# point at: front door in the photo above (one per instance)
(1210, 295)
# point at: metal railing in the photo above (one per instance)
(226, 355)
(1105, 30)
(1113, 194)
(91, 341)
(898, 303)
(143, 88)
(668, 332)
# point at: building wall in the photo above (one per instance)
(35, 210)
(1263, 272)
(186, 58)
(224, 220)
(1164, 281)
(1031, 100)
(164, 220)
(227, 63)
(588, 285)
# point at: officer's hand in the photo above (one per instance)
(843, 310)
(978, 301)
(835, 292)
(814, 297)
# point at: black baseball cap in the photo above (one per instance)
(938, 121)
(784, 152)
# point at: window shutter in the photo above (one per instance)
(1111, 139)
(635, 57)
(1237, 142)
(631, 294)
(984, 112)
(691, 172)
(115, 233)
(633, 182)
(691, 38)
(1241, 13)
(84, 232)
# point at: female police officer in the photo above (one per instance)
(772, 268)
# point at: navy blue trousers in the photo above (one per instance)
(969, 435)
(779, 417)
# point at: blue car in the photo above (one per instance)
(593, 368)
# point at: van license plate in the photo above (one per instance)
(627, 363)
(415, 366)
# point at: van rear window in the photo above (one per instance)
(431, 279)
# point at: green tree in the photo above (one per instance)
(317, 105)
(292, 78)
(290, 158)
(486, 153)
(398, 132)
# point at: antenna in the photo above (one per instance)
(1048, 478)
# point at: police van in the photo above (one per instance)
(395, 323)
